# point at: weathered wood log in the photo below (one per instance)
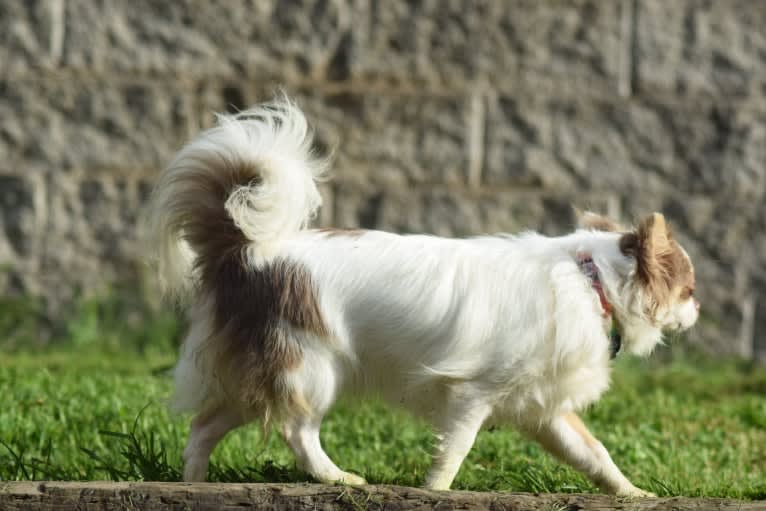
(300, 497)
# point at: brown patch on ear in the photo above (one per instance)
(590, 220)
(663, 267)
(655, 245)
(629, 244)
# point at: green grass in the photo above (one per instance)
(88, 403)
(695, 428)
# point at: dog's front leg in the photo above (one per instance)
(456, 433)
(567, 438)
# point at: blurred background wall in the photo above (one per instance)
(447, 117)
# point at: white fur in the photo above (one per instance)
(276, 139)
(463, 332)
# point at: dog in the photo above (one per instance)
(284, 319)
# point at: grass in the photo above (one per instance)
(677, 429)
(91, 407)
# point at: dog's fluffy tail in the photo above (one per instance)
(246, 184)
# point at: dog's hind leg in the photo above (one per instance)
(302, 435)
(316, 382)
(207, 429)
(567, 438)
(456, 432)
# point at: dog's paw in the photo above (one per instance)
(352, 479)
(634, 492)
(342, 478)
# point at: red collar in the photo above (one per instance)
(589, 268)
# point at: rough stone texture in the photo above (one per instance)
(455, 211)
(689, 47)
(22, 224)
(394, 141)
(451, 117)
(457, 44)
(30, 35)
(91, 224)
(69, 122)
(387, 140)
(292, 39)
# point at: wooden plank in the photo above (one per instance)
(299, 497)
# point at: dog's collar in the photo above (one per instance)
(589, 268)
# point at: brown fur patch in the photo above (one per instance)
(211, 229)
(254, 310)
(663, 268)
(590, 220)
(252, 307)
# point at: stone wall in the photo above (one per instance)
(450, 117)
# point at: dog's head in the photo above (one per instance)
(653, 286)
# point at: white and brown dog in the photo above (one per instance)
(466, 332)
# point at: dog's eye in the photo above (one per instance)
(687, 293)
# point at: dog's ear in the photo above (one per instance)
(590, 220)
(651, 242)
(655, 238)
(629, 244)
(656, 253)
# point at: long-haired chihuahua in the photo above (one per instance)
(284, 319)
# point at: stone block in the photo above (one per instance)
(98, 213)
(22, 231)
(257, 39)
(92, 124)
(644, 146)
(20, 216)
(688, 47)
(92, 236)
(457, 44)
(759, 330)
(544, 141)
(719, 150)
(396, 140)
(31, 36)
